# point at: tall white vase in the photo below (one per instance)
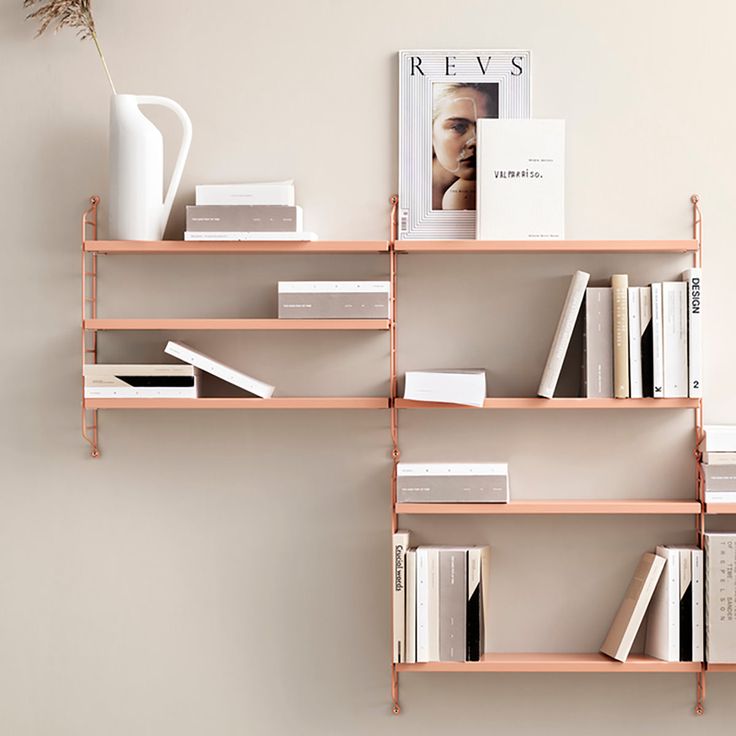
(138, 209)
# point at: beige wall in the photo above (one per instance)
(226, 573)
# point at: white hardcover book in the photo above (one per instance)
(720, 597)
(433, 622)
(720, 438)
(635, 376)
(598, 343)
(411, 606)
(657, 342)
(422, 604)
(663, 624)
(209, 365)
(693, 277)
(720, 496)
(561, 339)
(645, 325)
(141, 392)
(474, 615)
(674, 310)
(698, 571)
(447, 386)
(520, 183)
(213, 236)
(719, 458)
(400, 545)
(485, 584)
(266, 192)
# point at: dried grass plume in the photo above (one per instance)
(68, 14)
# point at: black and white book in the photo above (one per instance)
(521, 179)
(400, 543)
(474, 609)
(657, 342)
(598, 343)
(647, 349)
(674, 311)
(121, 381)
(563, 333)
(222, 371)
(693, 277)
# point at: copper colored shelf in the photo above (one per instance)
(553, 662)
(712, 667)
(286, 402)
(566, 506)
(547, 246)
(238, 246)
(720, 508)
(537, 403)
(236, 324)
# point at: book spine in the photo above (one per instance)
(674, 309)
(411, 605)
(686, 605)
(620, 287)
(645, 325)
(453, 595)
(663, 625)
(636, 390)
(698, 605)
(400, 545)
(434, 604)
(244, 217)
(237, 235)
(473, 613)
(598, 343)
(147, 392)
(720, 598)
(694, 279)
(561, 339)
(657, 342)
(452, 489)
(422, 604)
(485, 589)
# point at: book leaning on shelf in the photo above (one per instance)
(440, 602)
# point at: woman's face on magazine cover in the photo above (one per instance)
(453, 130)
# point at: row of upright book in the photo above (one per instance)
(689, 598)
(440, 602)
(638, 341)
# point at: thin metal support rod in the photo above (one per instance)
(697, 230)
(395, 708)
(700, 702)
(90, 420)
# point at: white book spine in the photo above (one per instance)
(400, 545)
(698, 574)
(720, 496)
(694, 280)
(258, 193)
(657, 341)
(561, 339)
(635, 377)
(422, 604)
(663, 625)
(411, 606)
(213, 236)
(674, 310)
(140, 392)
(434, 604)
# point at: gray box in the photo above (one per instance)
(720, 477)
(452, 483)
(252, 218)
(334, 299)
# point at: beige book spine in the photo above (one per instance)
(620, 286)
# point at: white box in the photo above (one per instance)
(276, 192)
(447, 386)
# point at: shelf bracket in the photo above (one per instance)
(395, 708)
(90, 423)
(700, 700)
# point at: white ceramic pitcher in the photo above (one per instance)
(138, 210)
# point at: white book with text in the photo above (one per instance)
(693, 277)
(635, 375)
(674, 312)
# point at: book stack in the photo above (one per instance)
(452, 482)
(669, 587)
(638, 341)
(719, 464)
(466, 387)
(334, 299)
(116, 381)
(440, 602)
(259, 211)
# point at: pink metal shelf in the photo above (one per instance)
(536, 403)
(712, 667)
(554, 662)
(562, 506)
(547, 246)
(236, 324)
(286, 402)
(720, 508)
(229, 246)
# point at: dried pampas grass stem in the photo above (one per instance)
(68, 14)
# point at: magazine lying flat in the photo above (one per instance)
(204, 362)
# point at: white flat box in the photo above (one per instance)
(226, 373)
(334, 299)
(276, 192)
(452, 483)
(720, 438)
(720, 496)
(300, 237)
(466, 387)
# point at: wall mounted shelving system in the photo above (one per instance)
(91, 325)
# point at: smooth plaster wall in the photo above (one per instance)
(227, 573)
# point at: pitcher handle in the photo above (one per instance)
(181, 157)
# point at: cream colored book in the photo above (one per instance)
(620, 286)
(400, 545)
(631, 612)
